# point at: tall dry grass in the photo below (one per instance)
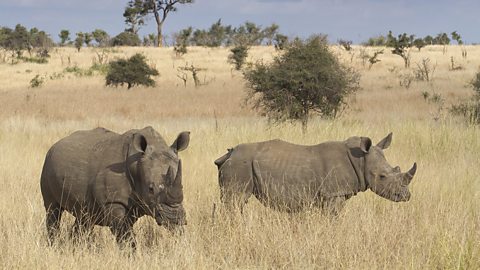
(438, 229)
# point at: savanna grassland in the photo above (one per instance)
(439, 228)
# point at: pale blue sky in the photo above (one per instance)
(348, 19)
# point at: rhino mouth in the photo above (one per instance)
(170, 216)
(401, 197)
(396, 196)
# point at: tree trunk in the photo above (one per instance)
(304, 125)
(160, 35)
(159, 22)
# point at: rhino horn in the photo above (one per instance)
(408, 176)
(170, 175)
(178, 178)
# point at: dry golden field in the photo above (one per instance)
(439, 228)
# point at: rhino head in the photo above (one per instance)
(157, 175)
(382, 178)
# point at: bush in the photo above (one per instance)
(238, 56)
(94, 69)
(378, 41)
(126, 39)
(134, 71)
(476, 84)
(280, 42)
(307, 79)
(37, 81)
(180, 49)
(470, 110)
(99, 68)
(36, 60)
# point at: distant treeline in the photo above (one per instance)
(389, 40)
(249, 33)
(20, 39)
(226, 35)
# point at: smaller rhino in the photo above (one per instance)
(290, 177)
(109, 179)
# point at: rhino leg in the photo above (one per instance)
(53, 217)
(236, 183)
(332, 206)
(121, 225)
(82, 226)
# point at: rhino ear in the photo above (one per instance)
(385, 143)
(139, 143)
(365, 144)
(182, 141)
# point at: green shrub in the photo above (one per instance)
(95, 69)
(180, 49)
(307, 79)
(133, 71)
(280, 42)
(99, 68)
(36, 60)
(37, 81)
(238, 56)
(77, 71)
(470, 110)
(126, 39)
(377, 41)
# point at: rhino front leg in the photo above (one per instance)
(52, 222)
(121, 226)
(83, 226)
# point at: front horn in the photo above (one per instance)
(408, 176)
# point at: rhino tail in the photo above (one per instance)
(219, 161)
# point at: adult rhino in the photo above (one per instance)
(290, 177)
(109, 179)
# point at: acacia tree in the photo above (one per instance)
(419, 43)
(79, 40)
(134, 15)
(307, 79)
(160, 10)
(64, 36)
(133, 71)
(101, 37)
(457, 37)
(270, 32)
(88, 37)
(401, 47)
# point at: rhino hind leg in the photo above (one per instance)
(236, 183)
(53, 217)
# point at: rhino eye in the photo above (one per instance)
(383, 176)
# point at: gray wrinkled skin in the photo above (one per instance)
(290, 177)
(109, 179)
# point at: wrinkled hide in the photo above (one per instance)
(109, 179)
(291, 177)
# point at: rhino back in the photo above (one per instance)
(72, 163)
(291, 175)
